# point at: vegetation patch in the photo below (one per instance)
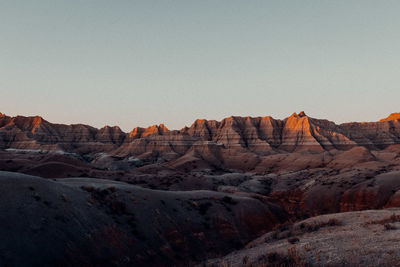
(390, 219)
(291, 231)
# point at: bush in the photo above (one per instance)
(245, 259)
(293, 240)
(288, 230)
(313, 227)
(334, 222)
(292, 258)
(389, 226)
(391, 219)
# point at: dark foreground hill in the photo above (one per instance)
(93, 222)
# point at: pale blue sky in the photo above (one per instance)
(138, 63)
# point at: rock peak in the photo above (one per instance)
(162, 127)
(393, 116)
(302, 114)
(37, 120)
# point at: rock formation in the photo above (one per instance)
(155, 196)
(227, 143)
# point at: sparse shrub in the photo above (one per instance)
(284, 227)
(245, 259)
(334, 222)
(263, 258)
(391, 219)
(87, 188)
(317, 225)
(277, 259)
(313, 227)
(389, 226)
(291, 231)
(394, 218)
(273, 256)
(293, 240)
(274, 235)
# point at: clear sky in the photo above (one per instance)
(138, 63)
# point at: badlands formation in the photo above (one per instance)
(242, 191)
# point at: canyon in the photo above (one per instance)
(156, 196)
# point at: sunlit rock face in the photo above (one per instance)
(242, 143)
(391, 117)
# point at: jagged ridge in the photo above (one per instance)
(215, 142)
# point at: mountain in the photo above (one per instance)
(243, 143)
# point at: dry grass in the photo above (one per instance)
(290, 230)
(391, 219)
(389, 226)
(339, 240)
(290, 259)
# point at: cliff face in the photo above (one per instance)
(234, 141)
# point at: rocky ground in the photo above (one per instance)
(364, 238)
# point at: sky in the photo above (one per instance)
(138, 63)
